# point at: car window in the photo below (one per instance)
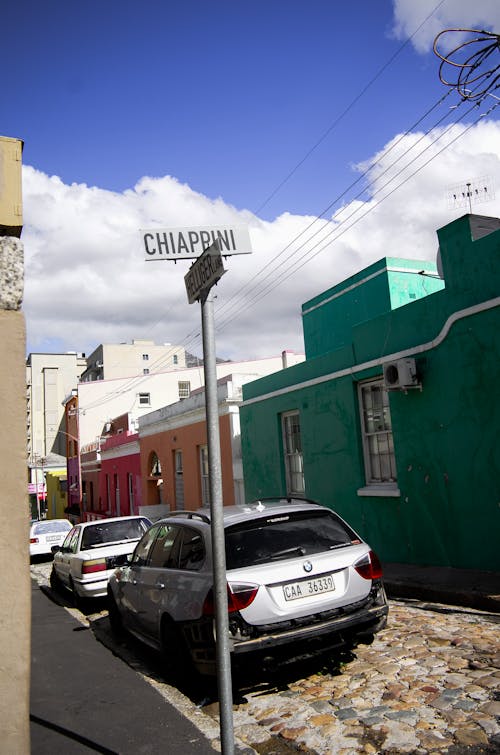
(71, 541)
(192, 550)
(164, 554)
(104, 532)
(44, 528)
(68, 537)
(143, 547)
(284, 536)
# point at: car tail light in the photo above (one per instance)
(369, 567)
(95, 565)
(33, 540)
(239, 596)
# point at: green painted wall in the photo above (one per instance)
(446, 437)
(390, 283)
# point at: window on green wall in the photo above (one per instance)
(292, 448)
(376, 428)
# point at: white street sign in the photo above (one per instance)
(204, 272)
(190, 243)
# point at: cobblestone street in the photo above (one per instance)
(429, 683)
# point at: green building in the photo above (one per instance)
(393, 419)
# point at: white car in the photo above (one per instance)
(92, 550)
(45, 534)
(300, 581)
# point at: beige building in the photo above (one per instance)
(126, 360)
(50, 378)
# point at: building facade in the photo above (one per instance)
(392, 419)
(50, 378)
(125, 360)
(174, 452)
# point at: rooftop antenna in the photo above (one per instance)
(470, 192)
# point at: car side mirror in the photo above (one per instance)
(56, 548)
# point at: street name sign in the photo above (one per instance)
(190, 243)
(204, 272)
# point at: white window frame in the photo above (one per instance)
(144, 399)
(292, 453)
(204, 476)
(377, 438)
(179, 478)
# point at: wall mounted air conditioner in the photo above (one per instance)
(400, 375)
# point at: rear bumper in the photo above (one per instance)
(285, 642)
(362, 623)
(95, 588)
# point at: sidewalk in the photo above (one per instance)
(458, 587)
(85, 700)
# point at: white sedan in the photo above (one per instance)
(92, 550)
(47, 533)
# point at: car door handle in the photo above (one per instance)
(159, 585)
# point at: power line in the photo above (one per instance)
(346, 110)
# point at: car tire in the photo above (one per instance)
(115, 620)
(54, 580)
(175, 655)
(78, 601)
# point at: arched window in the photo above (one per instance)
(154, 466)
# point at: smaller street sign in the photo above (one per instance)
(204, 273)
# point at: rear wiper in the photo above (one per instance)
(299, 550)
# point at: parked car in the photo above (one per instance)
(299, 580)
(46, 533)
(92, 550)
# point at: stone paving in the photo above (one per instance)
(429, 683)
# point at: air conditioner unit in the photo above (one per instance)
(400, 375)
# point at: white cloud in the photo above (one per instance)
(87, 281)
(451, 14)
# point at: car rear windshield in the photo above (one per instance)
(44, 528)
(284, 536)
(104, 532)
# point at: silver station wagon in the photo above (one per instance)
(300, 581)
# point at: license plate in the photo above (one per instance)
(52, 538)
(308, 588)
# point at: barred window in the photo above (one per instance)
(184, 388)
(376, 427)
(292, 448)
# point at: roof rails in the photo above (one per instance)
(287, 498)
(189, 515)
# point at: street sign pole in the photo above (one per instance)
(200, 278)
(204, 273)
(217, 527)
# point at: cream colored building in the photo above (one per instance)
(50, 378)
(125, 360)
(102, 400)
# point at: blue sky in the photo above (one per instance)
(137, 114)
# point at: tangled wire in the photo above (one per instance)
(474, 77)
